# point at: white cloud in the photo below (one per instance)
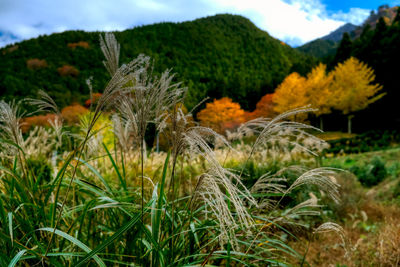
(293, 21)
(355, 15)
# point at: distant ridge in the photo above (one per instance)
(327, 45)
(336, 35)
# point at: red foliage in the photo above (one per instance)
(71, 113)
(264, 108)
(68, 70)
(82, 44)
(39, 120)
(35, 63)
(95, 98)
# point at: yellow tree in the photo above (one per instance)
(221, 115)
(291, 94)
(318, 91)
(353, 87)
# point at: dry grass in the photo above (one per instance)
(372, 230)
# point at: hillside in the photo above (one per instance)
(327, 45)
(222, 55)
(336, 35)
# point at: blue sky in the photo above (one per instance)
(292, 21)
(335, 5)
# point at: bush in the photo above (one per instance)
(368, 141)
(68, 70)
(35, 64)
(371, 174)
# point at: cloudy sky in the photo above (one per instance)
(293, 21)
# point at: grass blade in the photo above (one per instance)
(10, 228)
(115, 167)
(17, 257)
(76, 242)
(112, 238)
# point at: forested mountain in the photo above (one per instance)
(222, 55)
(326, 46)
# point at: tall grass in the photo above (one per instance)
(125, 205)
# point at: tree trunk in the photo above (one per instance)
(321, 123)
(349, 123)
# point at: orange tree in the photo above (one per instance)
(291, 94)
(221, 114)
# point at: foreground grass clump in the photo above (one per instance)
(110, 201)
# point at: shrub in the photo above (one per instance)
(371, 174)
(72, 113)
(68, 70)
(36, 64)
(39, 120)
(82, 44)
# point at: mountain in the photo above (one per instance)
(222, 55)
(336, 35)
(326, 46)
(384, 11)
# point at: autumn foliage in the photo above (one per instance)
(353, 86)
(291, 94)
(39, 120)
(348, 88)
(221, 115)
(82, 44)
(264, 108)
(95, 97)
(71, 114)
(68, 70)
(35, 63)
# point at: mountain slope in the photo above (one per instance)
(327, 45)
(336, 35)
(222, 55)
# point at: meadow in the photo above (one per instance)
(136, 181)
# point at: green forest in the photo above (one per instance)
(222, 55)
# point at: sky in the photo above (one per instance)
(293, 21)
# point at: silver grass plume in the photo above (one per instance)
(334, 227)
(271, 129)
(150, 100)
(217, 187)
(268, 184)
(10, 127)
(40, 141)
(323, 178)
(305, 208)
(124, 132)
(111, 50)
(59, 132)
(44, 103)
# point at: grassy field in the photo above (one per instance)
(95, 192)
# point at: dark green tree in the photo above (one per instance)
(344, 50)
